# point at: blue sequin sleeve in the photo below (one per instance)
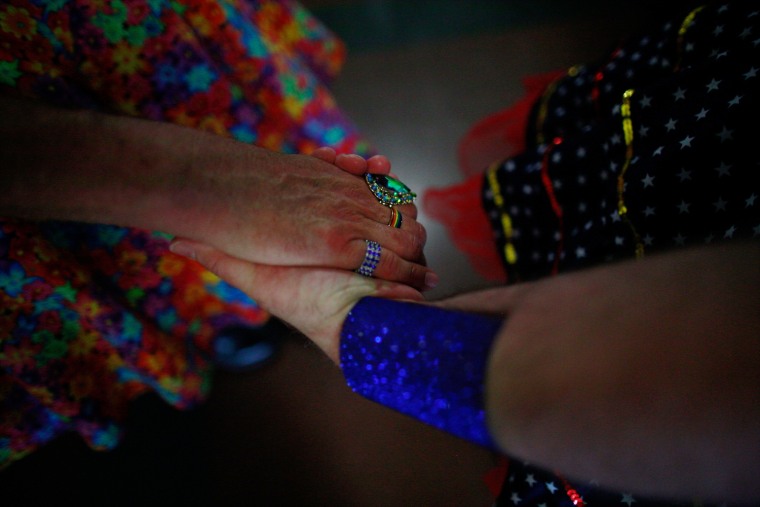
(423, 361)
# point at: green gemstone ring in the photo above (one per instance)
(389, 191)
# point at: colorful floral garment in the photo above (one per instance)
(651, 149)
(91, 316)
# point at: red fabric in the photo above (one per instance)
(501, 134)
(459, 207)
(495, 477)
(460, 210)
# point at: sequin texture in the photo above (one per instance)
(422, 361)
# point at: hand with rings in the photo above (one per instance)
(389, 192)
(316, 300)
(337, 220)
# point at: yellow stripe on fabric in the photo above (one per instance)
(510, 253)
(687, 22)
(625, 111)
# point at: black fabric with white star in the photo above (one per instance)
(696, 131)
(690, 177)
(528, 486)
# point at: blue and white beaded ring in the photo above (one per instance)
(371, 258)
(388, 190)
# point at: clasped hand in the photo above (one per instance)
(316, 298)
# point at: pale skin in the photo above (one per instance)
(641, 375)
(251, 203)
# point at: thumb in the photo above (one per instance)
(239, 273)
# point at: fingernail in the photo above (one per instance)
(431, 280)
(183, 249)
(350, 156)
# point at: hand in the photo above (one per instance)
(392, 266)
(252, 203)
(315, 301)
(377, 164)
(302, 210)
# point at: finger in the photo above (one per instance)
(314, 300)
(408, 241)
(325, 153)
(383, 213)
(281, 288)
(398, 219)
(389, 266)
(351, 163)
(286, 292)
(379, 164)
(407, 210)
(394, 268)
(275, 288)
(241, 274)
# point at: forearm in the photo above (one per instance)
(244, 201)
(94, 167)
(642, 376)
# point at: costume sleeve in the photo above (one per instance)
(423, 361)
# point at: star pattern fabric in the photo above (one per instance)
(529, 486)
(650, 150)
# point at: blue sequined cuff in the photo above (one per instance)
(423, 361)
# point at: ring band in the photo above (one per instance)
(371, 258)
(396, 219)
(388, 190)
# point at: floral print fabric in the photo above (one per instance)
(93, 315)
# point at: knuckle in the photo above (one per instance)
(422, 236)
(356, 189)
(350, 253)
(416, 243)
(384, 215)
(213, 263)
(416, 275)
(412, 274)
(392, 265)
